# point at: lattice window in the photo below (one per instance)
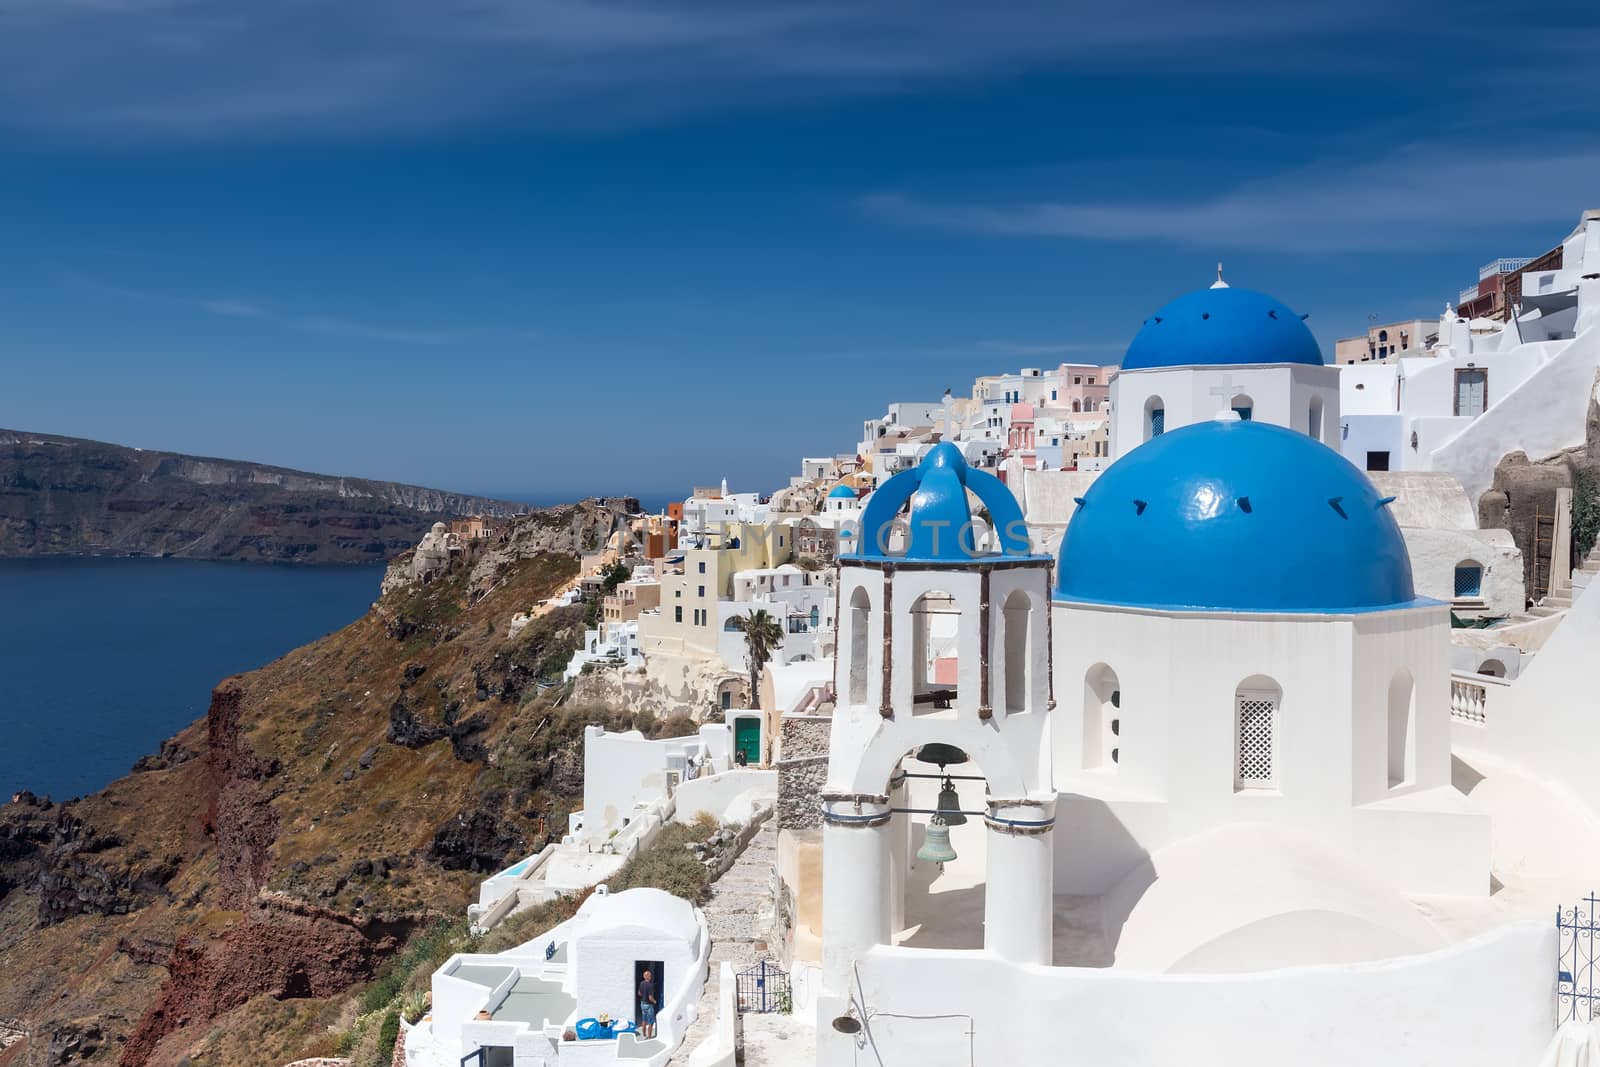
(1257, 720)
(1469, 580)
(1158, 421)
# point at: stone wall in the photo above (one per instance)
(667, 685)
(800, 784)
(802, 770)
(803, 735)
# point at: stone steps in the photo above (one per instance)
(741, 917)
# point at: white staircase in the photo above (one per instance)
(1585, 574)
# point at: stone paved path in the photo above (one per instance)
(741, 915)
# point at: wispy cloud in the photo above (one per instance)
(321, 325)
(1435, 193)
(206, 67)
(237, 309)
(1062, 349)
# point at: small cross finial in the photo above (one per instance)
(1219, 283)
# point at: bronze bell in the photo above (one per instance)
(950, 805)
(942, 754)
(936, 843)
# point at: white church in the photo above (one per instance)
(1223, 348)
(1191, 792)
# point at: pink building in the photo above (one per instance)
(1084, 387)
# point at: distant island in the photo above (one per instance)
(65, 496)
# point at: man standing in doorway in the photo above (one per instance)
(648, 1002)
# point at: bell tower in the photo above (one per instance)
(943, 661)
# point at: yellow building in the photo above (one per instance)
(686, 624)
(629, 601)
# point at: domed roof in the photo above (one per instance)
(939, 521)
(1235, 516)
(1222, 327)
(842, 492)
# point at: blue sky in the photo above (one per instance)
(544, 248)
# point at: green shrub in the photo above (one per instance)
(388, 1034)
(1585, 510)
(415, 1005)
(425, 952)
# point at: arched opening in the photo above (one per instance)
(1102, 718)
(1077, 406)
(860, 613)
(1256, 702)
(1493, 668)
(1018, 638)
(943, 903)
(1155, 417)
(935, 631)
(1314, 419)
(1469, 580)
(1242, 406)
(1402, 729)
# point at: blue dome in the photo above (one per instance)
(1221, 327)
(842, 492)
(1235, 516)
(939, 521)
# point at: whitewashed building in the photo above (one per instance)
(540, 1004)
(1221, 349)
(1197, 794)
(1486, 388)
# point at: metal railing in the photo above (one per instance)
(1503, 265)
(1576, 993)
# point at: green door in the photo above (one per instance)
(747, 739)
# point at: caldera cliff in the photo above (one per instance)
(224, 903)
(65, 496)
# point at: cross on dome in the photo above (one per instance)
(1219, 283)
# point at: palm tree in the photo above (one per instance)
(762, 636)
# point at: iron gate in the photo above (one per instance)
(763, 988)
(1576, 994)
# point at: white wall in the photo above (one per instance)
(1280, 393)
(720, 1048)
(619, 772)
(1178, 673)
(1488, 1002)
(1436, 553)
(865, 747)
(1360, 434)
(1544, 415)
(715, 795)
(1544, 722)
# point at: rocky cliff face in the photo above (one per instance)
(63, 496)
(225, 903)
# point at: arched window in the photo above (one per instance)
(1493, 668)
(1383, 335)
(816, 617)
(1255, 705)
(860, 613)
(1102, 718)
(1155, 417)
(1402, 729)
(732, 624)
(1018, 637)
(1469, 579)
(1077, 406)
(1243, 406)
(1314, 419)
(935, 632)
